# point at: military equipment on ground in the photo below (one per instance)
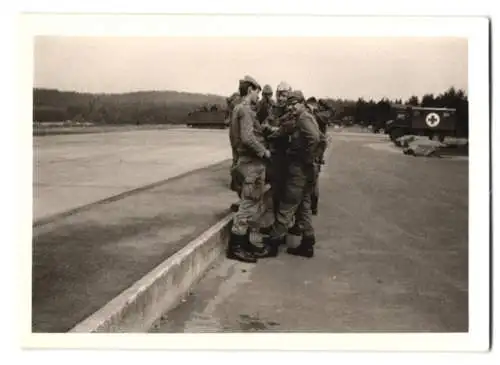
(208, 117)
(435, 123)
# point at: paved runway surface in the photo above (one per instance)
(82, 261)
(392, 255)
(75, 170)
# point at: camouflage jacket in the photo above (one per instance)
(232, 137)
(277, 127)
(245, 132)
(264, 109)
(322, 119)
(305, 139)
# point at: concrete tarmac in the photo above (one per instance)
(82, 261)
(79, 169)
(391, 255)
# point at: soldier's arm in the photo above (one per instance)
(272, 131)
(285, 128)
(233, 128)
(322, 124)
(247, 135)
(287, 124)
(311, 135)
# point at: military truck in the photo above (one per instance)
(212, 117)
(435, 123)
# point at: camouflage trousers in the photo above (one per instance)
(250, 173)
(276, 175)
(295, 205)
(236, 183)
(315, 189)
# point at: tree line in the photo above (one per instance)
(149, 107)
(376, 113)
(170, 107)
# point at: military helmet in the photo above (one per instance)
(295, 96)
(323, 103)
(267, 90)
(250, 80)
(283, 86)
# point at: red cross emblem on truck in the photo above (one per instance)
(432, 119)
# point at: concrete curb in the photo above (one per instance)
(138, 307)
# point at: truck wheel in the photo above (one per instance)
(396, 133)
(437, 137)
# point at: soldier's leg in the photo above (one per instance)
(268, 217)
(322, 149)
(315, 192)
(278, 178)
(261, 219)
(251, 200)
(236, 181)
(303, 226)
(279, 172)
(277, 169)
(293, 194)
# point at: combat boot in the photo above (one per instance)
(295, 230)
(271, 247)
(254, 250)
(266, 231)
(305, 249)
(236, 249)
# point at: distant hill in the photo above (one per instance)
(140, 107)
(55, 97)
(173, 107)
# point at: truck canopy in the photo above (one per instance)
(423, 108)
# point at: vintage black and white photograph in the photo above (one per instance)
(251, 184)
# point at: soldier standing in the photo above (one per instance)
(325, 112)
(295, 204)
(278, 144)
(321, 120)
(252, 154)
(264, 106)
(236, 182)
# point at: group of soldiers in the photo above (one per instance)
(278, 149)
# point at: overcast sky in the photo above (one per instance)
(323, 67)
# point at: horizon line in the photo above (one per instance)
(222, 96)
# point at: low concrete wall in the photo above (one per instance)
(138, 307)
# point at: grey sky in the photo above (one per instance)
(323, 67)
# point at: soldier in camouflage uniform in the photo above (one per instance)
(236, 182)
(295, 204)
(265, 105)
(324, 114)
(232, 101)
(278, 144)
(322, 121)
(249, 144)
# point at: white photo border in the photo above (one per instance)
(475, 29)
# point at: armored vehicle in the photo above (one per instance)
(435, 123)
(208, 118)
